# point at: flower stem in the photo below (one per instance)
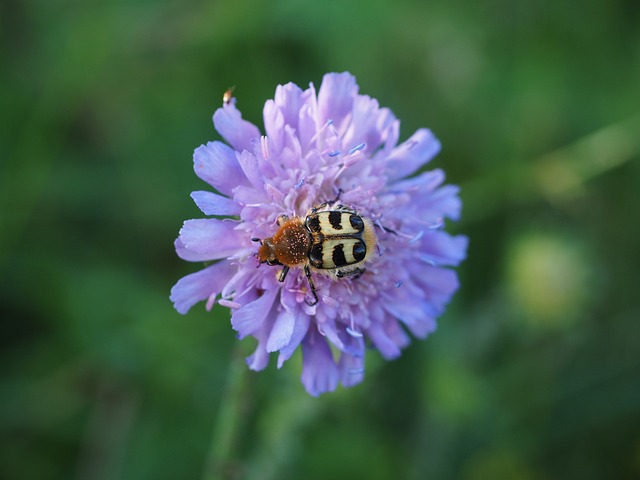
(220, 464)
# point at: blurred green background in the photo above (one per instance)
(534, 372)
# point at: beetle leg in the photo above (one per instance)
(335, 200)
(317, 208)
(283, 273)
(359, 272)
(344, 208)
(312, 285)
(355, 273)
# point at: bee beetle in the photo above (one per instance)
(336, 242)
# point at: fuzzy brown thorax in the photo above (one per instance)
(289, 246)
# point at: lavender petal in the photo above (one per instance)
(213, 204)
(249, 318)
(237, 132)
(216, 164)
(200, 285)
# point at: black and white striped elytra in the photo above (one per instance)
(338, 240)
(335, 242)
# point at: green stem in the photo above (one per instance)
(219, 463)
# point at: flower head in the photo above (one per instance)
(319, 146)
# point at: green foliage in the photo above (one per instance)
(533, 371)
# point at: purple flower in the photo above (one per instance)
(317, 147)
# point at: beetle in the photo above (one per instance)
(336, 242)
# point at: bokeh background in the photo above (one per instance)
(534, 372)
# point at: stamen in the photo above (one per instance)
(333, 129)
(398, 284)
(353, 159)
(315, 136)
(438, 225)
(335, 153)
(276, 194)
(417, 237)
(211, 300)
(332, 302)
(300, 183)
(354, 333)
(229, 303)
(402, 234)
(428, 260)
(357, 148)
(355, 371)
(339, 172)
(264, 143)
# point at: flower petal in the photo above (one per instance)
(440, 248)
(213, 204)
(273, 124)
(423, 182)
(249, 164)
(446, 201)
(237, 132)
(281, 332)
(351, 369)
(409, 156)
(209, 239)
(289, 99)
(408, 312)
(439, 284)
(216, 164)
(319, 371)
(300, 329)
(200, 285)
(369, 124)
(335, 99)
(431, 207)
(351, 365)
(423, 327)
(328, 329)
(249, 318)
(385, 345)
(407, 303)
(186, 254)
(259, 359)
(307, 120)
